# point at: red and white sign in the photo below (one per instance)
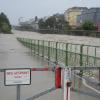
(17, 76)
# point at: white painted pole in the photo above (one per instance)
(67, 76)
(65, 89)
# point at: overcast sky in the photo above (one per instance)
(15, 9)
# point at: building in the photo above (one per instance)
(92, 14)
(32, 23)
(72, 13)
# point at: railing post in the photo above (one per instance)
(26, 42)
(99, 74)
(81, 55)
(56, 60)
(81, 59)
(48, 50)
(31, 44)
(66, 57)
(43, 48)
(38, 47)
(95, 57)
(34, 47)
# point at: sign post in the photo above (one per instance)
(18, 92)
(17, 77)
(67, 83)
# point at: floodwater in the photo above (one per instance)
(14, 55)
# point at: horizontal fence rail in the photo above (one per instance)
(67, 54)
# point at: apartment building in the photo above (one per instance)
(92, 14)
(72, 13)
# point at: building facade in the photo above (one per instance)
(31, 23)
(92, 14)
(72, 13)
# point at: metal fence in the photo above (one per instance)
(66, 54)
(87, 85)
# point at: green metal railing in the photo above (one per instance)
(67, 54)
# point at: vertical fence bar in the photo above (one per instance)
(81, 55)
(75, 59)
(27, 42)
(66, 58)
(34, 46)
(81, 59)
(95, 57)
(70, 55)
(24, 42)
(31, 44)
(87, 55)
(56, 60)
(38, 47)
(53, 52)
(43, 48)
(99, 74)
(48, 50)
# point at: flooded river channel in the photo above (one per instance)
(14, 55)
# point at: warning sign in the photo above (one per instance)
(17, 76)
(68, 73)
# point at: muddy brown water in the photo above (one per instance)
(15, 55)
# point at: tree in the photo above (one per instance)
(88, 25)
(36, 18)
(4, 23)
(55, 21)
(51, 22)
(42, 24)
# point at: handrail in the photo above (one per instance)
(66, 53)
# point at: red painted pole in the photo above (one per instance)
(58, 77)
